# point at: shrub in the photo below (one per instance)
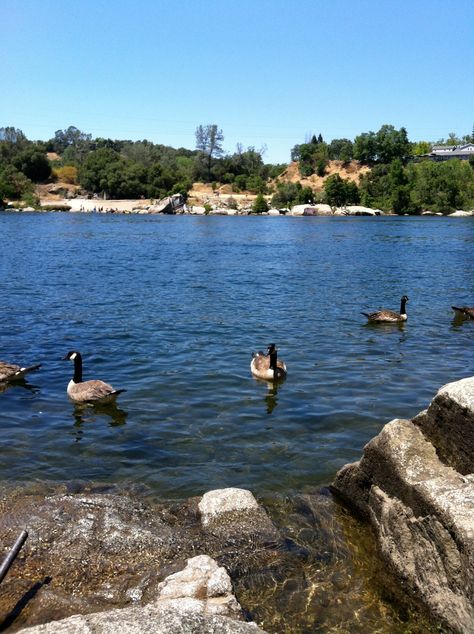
(66, 174)
(260, 204)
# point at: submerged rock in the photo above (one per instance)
(415, 485)
(89, 551)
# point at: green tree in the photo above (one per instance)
(14, 185)
(70, 137)
(341, 150)
(33, 163)
(209, 143)
(339, 192)
(260, 204)
(382, 147)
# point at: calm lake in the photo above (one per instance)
(171, 308)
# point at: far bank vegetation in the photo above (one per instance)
(381, 169)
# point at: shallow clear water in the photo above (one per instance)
(170, 308)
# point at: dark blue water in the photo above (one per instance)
(170, 308)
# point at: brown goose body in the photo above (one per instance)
(268, 366)
(389, 316)
(466, 312)
(13, 372)
(93, 391)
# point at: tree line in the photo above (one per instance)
(134, 169)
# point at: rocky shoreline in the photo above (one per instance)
(99, 560)
(415, 486)
(137, 207)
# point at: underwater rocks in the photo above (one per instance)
(91, 552)
(415, 485)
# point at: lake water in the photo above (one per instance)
(171, 308)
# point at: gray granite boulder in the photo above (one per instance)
(416, 488)
(448, 424)
(90, 551)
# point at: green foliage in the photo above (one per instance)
(341, 150)
(376, 188)
(439, 187)
(14, 185)
(420, 148)
(72, 137)
(443, 186)
(260, 204)
(66, 174)
(339, 192)
(56, 207)
(289, 194)
(209, 145)
(382, 147)
(313, 158)
(33, 163)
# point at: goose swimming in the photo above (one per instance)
(268, 366)
(12, 372)
(389, 316)
(464, 312)
(93, 391)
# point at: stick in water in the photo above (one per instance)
(10, 558)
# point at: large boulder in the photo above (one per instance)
(415, 485)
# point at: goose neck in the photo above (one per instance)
(77, 369)
(273, 360)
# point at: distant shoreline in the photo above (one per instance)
(147, 207)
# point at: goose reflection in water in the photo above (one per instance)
(88, 413)
(271, 399)
(271, 396)
(22, 383)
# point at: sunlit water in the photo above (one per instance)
(171, 308)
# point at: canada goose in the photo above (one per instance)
(12, 372)
(93, 391)
(385, 315)
(464, 312)
(267, 366)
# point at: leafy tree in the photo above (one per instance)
(382, 147)
(66, 174)
(365, 148)
(392, 144)
(442, 186)
(339, 192)
(209, 143)
(313, 158)
(12, 141)
(33, 163)
(376, 188)
(340, 150)
(260, 204)
(70, 137)
(14, 185)
(420, 148)
(289, 194)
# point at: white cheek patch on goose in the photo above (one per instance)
(73, 356)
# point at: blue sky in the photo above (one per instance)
(269, 73)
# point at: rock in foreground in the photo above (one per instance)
(89, 553)
(415, 485)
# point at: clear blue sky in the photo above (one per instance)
(268, 72)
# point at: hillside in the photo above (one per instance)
(202, 193)
(352, 171)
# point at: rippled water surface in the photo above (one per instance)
(170, 308)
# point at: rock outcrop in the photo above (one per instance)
(92, 552)
(415, 484)
(196, 599)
